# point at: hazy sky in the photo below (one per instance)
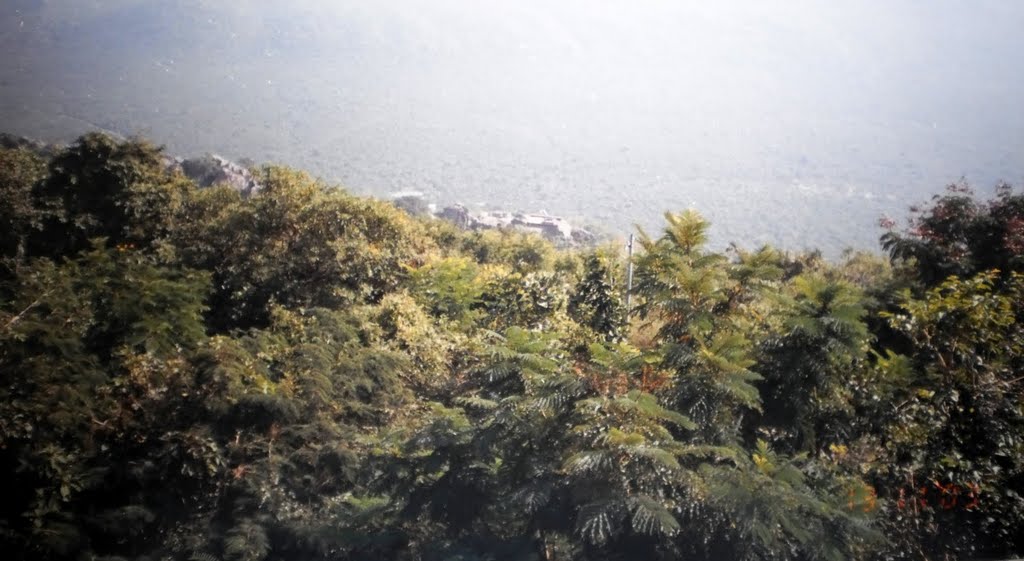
(828, 112)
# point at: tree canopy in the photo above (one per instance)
(194, 373)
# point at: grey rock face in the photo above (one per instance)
(458, 215)
(212, 169)
(553, 228)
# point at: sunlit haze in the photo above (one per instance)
(770, 118)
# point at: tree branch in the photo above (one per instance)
(22, 313)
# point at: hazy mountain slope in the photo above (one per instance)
(822, 116)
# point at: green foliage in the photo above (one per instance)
(596, 301)
(521, 252)
(779, 512)
(102, 188)
(680, 282)
(299, 373)
(297, 242)
(246, 542)
(960, 235)
(450, 288)
(20, 171)
(807, 360)
(405, 327)
(531, 300)
(689, 293)
(87, 348)
(955, 416)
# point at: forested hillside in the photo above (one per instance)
(297, 374)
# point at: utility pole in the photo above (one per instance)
(629, 274)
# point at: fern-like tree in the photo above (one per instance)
(596, 301)
(808, 360)
(685, 292)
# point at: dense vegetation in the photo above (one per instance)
(303, 374)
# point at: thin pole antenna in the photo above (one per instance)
(629, 275)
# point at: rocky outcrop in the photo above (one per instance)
(212, 169)
(458, 215)
(553, 228)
